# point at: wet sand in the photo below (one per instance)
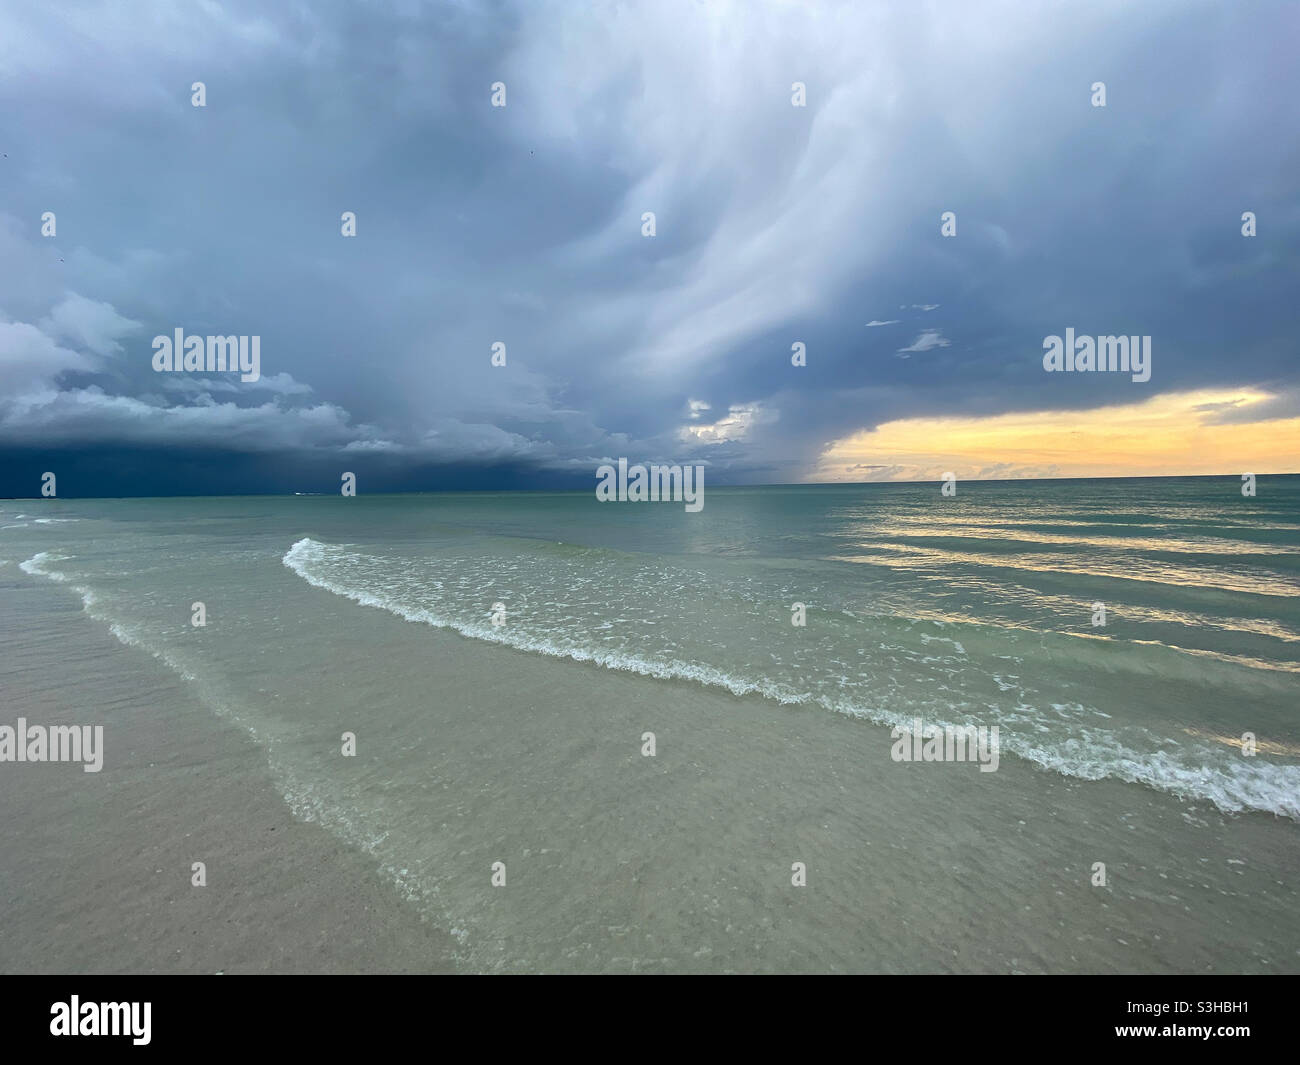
(617, 863)
(95, 868)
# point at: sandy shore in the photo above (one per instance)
(95, 869)
(472, 752)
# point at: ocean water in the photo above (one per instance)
(519, 736)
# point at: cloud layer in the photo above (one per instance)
(774, 225)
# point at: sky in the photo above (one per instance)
(775, 225)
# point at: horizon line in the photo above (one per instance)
(766, 484)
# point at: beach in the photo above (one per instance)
(516, 750)
(96, 874)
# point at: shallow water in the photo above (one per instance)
(521, 741)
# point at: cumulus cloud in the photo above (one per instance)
(195, 385)
(39, 404)
(31, 361)
(736, 425)
(87, 323)
(927, 341)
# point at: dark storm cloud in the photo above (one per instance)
(522, 224)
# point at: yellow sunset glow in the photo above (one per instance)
(1168, 435)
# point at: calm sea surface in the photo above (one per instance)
(375, 615)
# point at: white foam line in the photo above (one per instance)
(1266, 787)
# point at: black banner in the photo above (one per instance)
(338, 1015)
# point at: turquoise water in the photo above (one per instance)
(522, 741)
(971, 609)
